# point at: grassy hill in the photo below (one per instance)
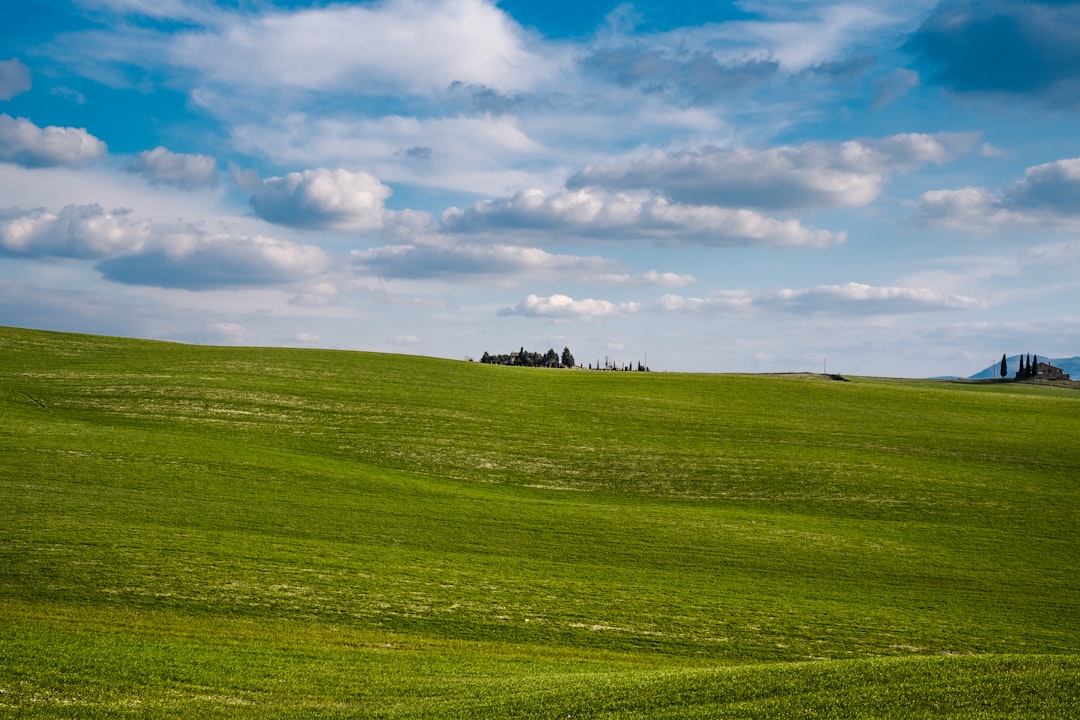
(263, 533)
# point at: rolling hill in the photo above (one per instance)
(267, 533)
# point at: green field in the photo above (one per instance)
(203, 532)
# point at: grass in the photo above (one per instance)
(223, 532)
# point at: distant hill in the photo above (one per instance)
(1069, 365)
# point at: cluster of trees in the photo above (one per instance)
(1027, 368)
(624, 367)
(532, 359)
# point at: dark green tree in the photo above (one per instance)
(567, 358)
(1035, 368)
(1022, 372)
(1004, 366)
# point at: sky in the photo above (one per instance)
(881, 187)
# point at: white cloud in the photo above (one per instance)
(230, 332)
(392, 46)
(14, 78)
(24, 143)
(329, 199)
(189, 172)
(1052, 188)
(1047, 196)
(719, 301)
(650, 278)
(591, 213)
(138, 252)
(563, 307)
(796, 36)
(190, 258)
(851, 299)
(798, 177)
(803, 35)
(973, 209)
(447, 260)
(76, 231)
(320, 296)
(474, 154)
(861, 299)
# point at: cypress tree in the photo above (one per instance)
(1022, 372)
(1004, 366)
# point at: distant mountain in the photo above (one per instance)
(1069, 365)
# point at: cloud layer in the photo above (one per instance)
(633, 215)
(789, 178)
(850, 299)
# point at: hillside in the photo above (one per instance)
(267, 533)
(1070, 365)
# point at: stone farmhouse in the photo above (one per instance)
(1046, 371)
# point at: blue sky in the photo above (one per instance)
(882, 187)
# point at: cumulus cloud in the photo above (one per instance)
(162, 167)
(591, 213)
(24, 143)
(328, 199)
(190, 258)
(563, 307)
(414, 46)
(14, 78)
(799, 177)
(455, 260)
(138, 252)
(1051, 188)
(1003, 47)
(1048, 196)
(76, 231)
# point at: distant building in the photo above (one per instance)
(1046, 371)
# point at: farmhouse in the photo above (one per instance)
(1046, 371)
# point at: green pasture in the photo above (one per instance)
(212, 532)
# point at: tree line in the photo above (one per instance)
(525, 358)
